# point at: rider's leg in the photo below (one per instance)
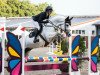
(38, 33)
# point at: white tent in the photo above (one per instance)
(20, 30)
(1, 31)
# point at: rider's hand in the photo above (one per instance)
(47, 21)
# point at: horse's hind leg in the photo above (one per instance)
(27, 50)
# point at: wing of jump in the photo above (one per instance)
(94, 50)
(75, 50)
(15, 52)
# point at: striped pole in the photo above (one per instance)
(53, 59)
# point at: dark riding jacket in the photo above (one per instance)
(40, 17)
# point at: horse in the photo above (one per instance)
(49, 32)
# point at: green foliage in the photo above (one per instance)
(64, 46)
(82, 49)
(82, 46)
(18, 8)
(64, 68)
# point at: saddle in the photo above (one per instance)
(33, 32)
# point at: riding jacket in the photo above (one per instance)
(40, 17)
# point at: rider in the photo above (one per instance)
(40, 19)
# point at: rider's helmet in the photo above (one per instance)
(48, 8)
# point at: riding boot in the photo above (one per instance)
(36, 40)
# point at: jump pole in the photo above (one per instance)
(52, 59)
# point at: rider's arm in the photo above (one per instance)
(41, 18)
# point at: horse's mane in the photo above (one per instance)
(57, 19)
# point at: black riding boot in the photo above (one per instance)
(36, 40)
(38, 33)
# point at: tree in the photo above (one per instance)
(82, 49)
(4, 8)
(64, 46)
(18, 8)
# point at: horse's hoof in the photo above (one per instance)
(69, 35)
(27, 50)
(46, 44)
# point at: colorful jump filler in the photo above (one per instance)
(94, 51)
(15, 52)
(0, 57)
(75, 50)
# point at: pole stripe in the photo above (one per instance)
(52, 59)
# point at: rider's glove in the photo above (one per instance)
(47, 21)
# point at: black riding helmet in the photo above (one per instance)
(48, 8)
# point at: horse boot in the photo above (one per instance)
(46, 42)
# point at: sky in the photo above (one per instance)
(74, 7)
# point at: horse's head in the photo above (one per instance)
(67, 25)
(68, 21)
(62, 22)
